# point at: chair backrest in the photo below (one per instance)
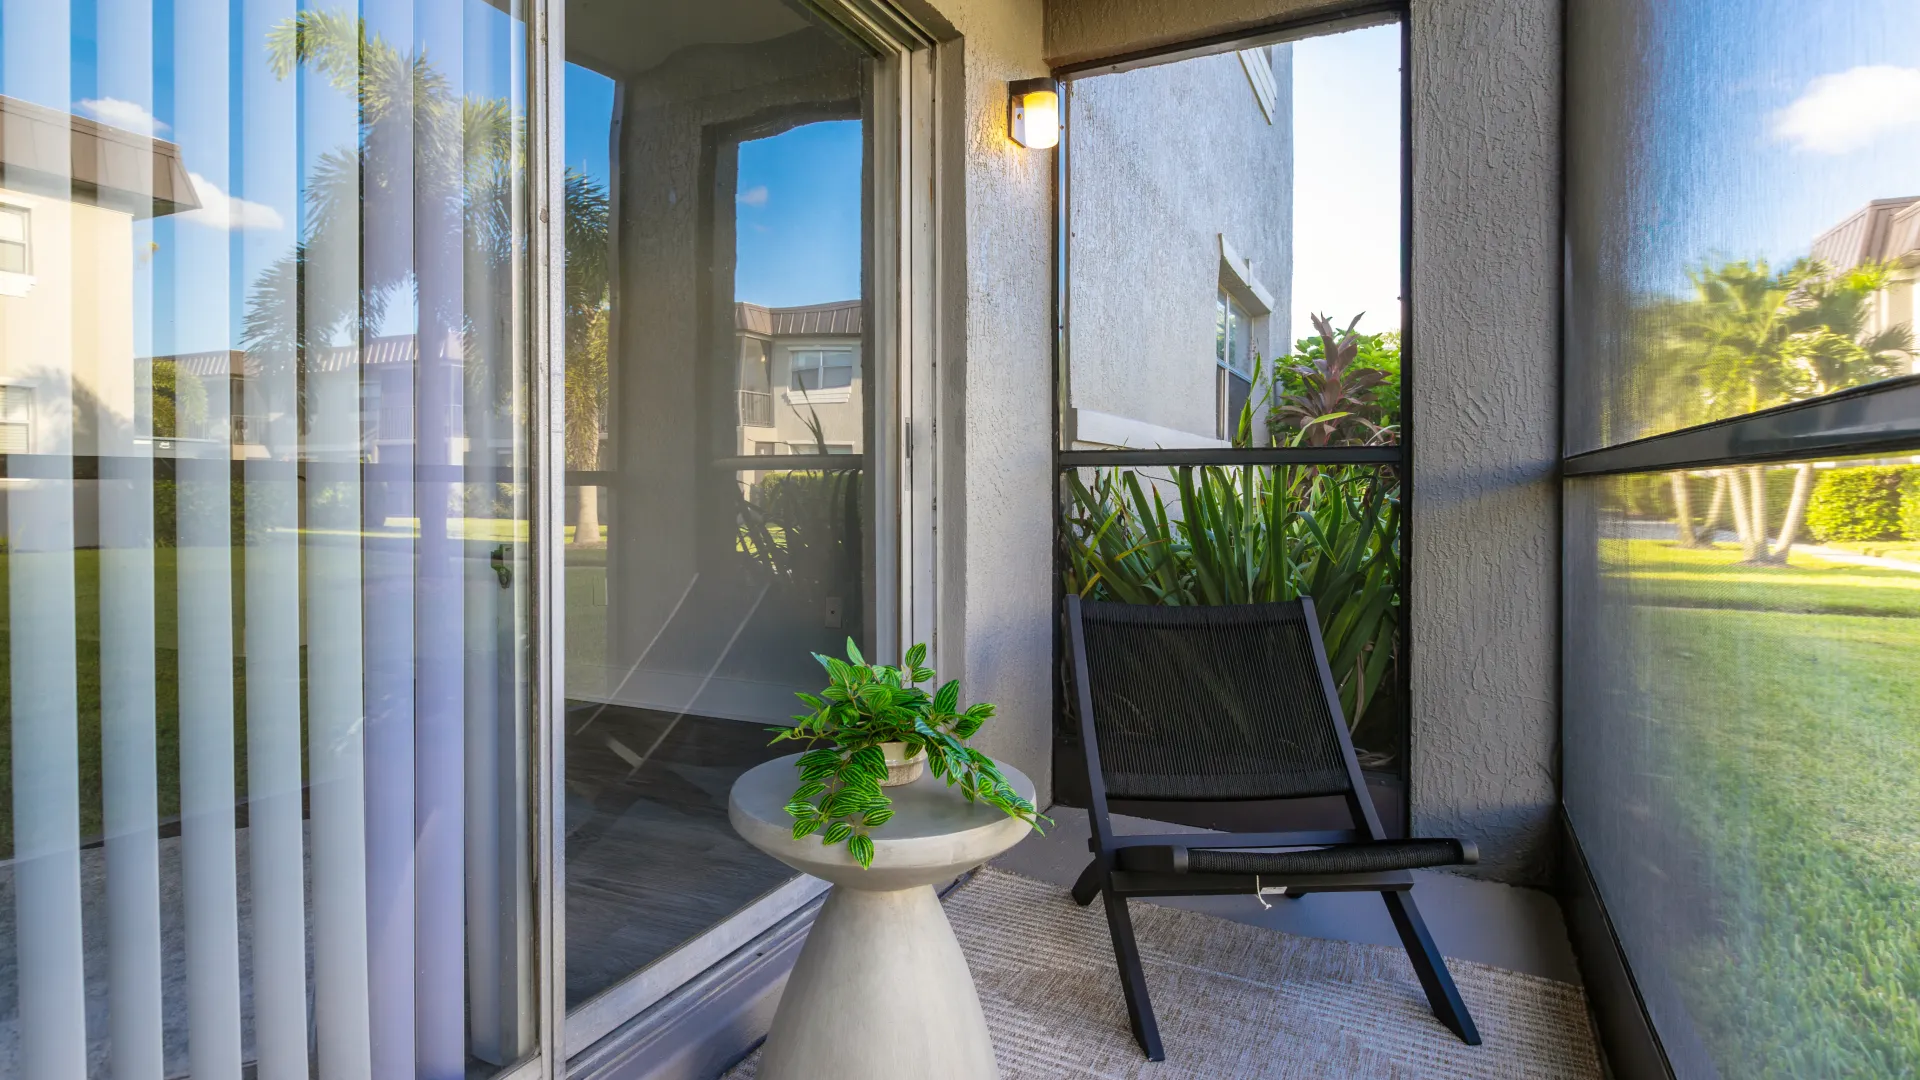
(1209, 703)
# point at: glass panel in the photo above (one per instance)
(1130, 537)
(1742, 749)
(1742, 222)
(717, 234)
(1268, 181)
(262, 666)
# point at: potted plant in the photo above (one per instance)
(872, 728)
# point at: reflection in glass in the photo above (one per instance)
(1742, 753)
(266, 504)
(718, 423)
(1206, 238)
(1743, 226)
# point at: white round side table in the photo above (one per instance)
(881, 990)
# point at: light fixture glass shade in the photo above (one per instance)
(1033, 113)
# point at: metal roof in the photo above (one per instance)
(1883, 229)
(397, 349)
(841, 318)
(61, 156)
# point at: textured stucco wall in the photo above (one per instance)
(1147, 221)
(1092, 29)
(1484, 560)
(996, 355)
(1484, 550)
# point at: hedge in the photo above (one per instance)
(1910, 505)
(1859, 503)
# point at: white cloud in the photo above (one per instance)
(1849, 110)
(753, 196)
(126, 115)
(219, 210)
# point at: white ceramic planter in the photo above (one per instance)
(902, 769)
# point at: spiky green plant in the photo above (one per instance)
(1248, 535)
(863, 706)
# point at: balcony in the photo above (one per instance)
(756, 409)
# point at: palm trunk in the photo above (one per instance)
(1742, 521)
(1683, 534)
(1713, 508)
(586, 516)
(1796, 509)
(1757, 506)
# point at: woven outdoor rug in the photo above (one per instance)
(1237, 1001)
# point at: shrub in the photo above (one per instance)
(1857, 504)
(1910, 505)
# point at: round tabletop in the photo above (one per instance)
(935, 834)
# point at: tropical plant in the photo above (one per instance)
(863, 706)
(1253, 534)
(454, 161)
(801, 531)
(588, 315)
(1749, 338)
(1338, 387)
(179, 402)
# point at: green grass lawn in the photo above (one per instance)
(1657, 573)
(1790, 724)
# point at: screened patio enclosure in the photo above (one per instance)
(435, 434)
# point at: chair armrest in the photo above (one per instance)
(1207, 856)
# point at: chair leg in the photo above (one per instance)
(1430, 966)
(1133, 979)
(1088, 887)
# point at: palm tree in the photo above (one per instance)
(453, 161)
(1750, 338)
(588, 314)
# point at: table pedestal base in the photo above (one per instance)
(881, 992)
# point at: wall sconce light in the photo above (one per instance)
(1033, 113)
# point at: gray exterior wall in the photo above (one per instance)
(1484, 391)
(995, 358)
(1165, 161)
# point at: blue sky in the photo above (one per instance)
(245, 136)
(1781, 119)
(799, 216)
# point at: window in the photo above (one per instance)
(14, 227)
(284, 698)
(1233, 356)
(821, 369)
(16, 419)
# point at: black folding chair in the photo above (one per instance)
(1203, 704)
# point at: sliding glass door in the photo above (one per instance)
(267, 713)
(425, 458)
(732, 401)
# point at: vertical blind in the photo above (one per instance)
(266, 511)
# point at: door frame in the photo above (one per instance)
(903, 465)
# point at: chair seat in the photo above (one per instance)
(1363, 858)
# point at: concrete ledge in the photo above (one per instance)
(707, 1026)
